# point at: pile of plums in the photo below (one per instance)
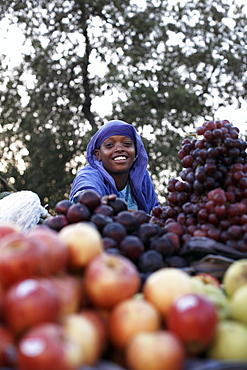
(130, 233)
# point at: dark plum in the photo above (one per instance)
(131, 247)
(104, 209)
(163, 245)
(90, 198)
(109, 243)
(62, 206)
(100, 220)
(118, 205)
(147, 231)
(114, 230)
(56, 222)
(150, 261)
(176, 261)
(77, 213)
(128, 220)
(142, 216)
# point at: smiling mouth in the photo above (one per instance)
(120, 158)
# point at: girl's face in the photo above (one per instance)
(117, 154)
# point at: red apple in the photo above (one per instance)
(194, 319)
(56, 250)
(83, 331)
(109, 279)
(2, 295)
(157, 350)
(130, 317)
(83, 241)
(8, 228)
(70, 293)
(7, 347)
(30, 302)
(21, 258)
(47, 347)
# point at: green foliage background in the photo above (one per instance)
(164, 67)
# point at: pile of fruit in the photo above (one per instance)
(66, 301)
(210, 198)
(100, 287)
(129, 233)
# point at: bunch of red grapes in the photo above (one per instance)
(210, 198)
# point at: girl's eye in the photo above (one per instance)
(108, 145)
(125, 143)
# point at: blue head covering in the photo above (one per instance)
(140, 181)
(117, 127)
(114, 128)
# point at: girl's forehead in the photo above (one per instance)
(117, 137)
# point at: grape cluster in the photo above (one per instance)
(210, 198)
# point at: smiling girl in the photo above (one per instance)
(117, 164)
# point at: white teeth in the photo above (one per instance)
(119, 158)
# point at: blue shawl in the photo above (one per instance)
(94, 176)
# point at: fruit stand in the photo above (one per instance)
(98, 286)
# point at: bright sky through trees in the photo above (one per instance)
(12, 39)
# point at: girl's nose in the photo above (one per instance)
(119, 147)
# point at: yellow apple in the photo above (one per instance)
(132, 316)
(215, 294)
(164, 285)
(98, 319)
(157, 350)
(84, 242)
(230, 342)
(82, 330)
(238, 304)
(235, 276)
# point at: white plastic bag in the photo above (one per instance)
(23, 209)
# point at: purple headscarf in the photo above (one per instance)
(117, 127)
(114, 128)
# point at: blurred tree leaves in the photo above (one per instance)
(164, 66)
